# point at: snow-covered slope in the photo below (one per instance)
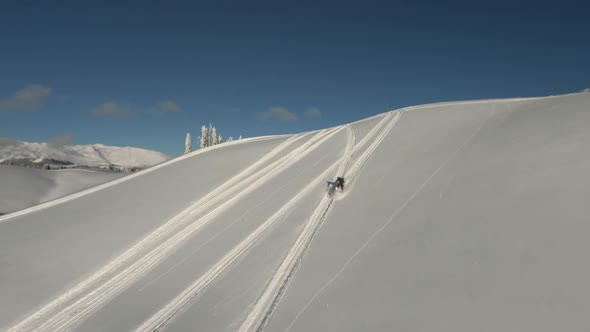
(24, 187)
(95, 155)
(466, 216)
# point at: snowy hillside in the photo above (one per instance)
(461, 216)
(95, 155)
(24, 187)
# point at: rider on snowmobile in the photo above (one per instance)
(339, 183)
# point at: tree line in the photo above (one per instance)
(209, 137)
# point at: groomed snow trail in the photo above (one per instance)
(262, 310)
(158, 320)
(55, 317)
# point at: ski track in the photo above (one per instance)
(158, 320)
(259, 315)
(388, 222)
(76, 312)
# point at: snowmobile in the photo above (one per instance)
(336, 186)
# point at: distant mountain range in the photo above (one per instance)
(52, 156)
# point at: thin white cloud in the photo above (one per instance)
(278, 113)
(169, 106)
(28, 99)
(111, 109)
(312, 113)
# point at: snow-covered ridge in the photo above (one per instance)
(92, 155)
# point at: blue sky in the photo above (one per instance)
(144, 73)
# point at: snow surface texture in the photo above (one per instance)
(24, 187)
(95, 155)
(465, 216)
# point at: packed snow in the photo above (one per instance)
(94, 155)
(459, 216)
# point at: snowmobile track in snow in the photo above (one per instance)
(351, 142)
(158, 320)
(248, 179)
(64, 199)
(260, 313)
(11, 216)
(154, 237)
(59, 315)
(262, 310)
(387, 222)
